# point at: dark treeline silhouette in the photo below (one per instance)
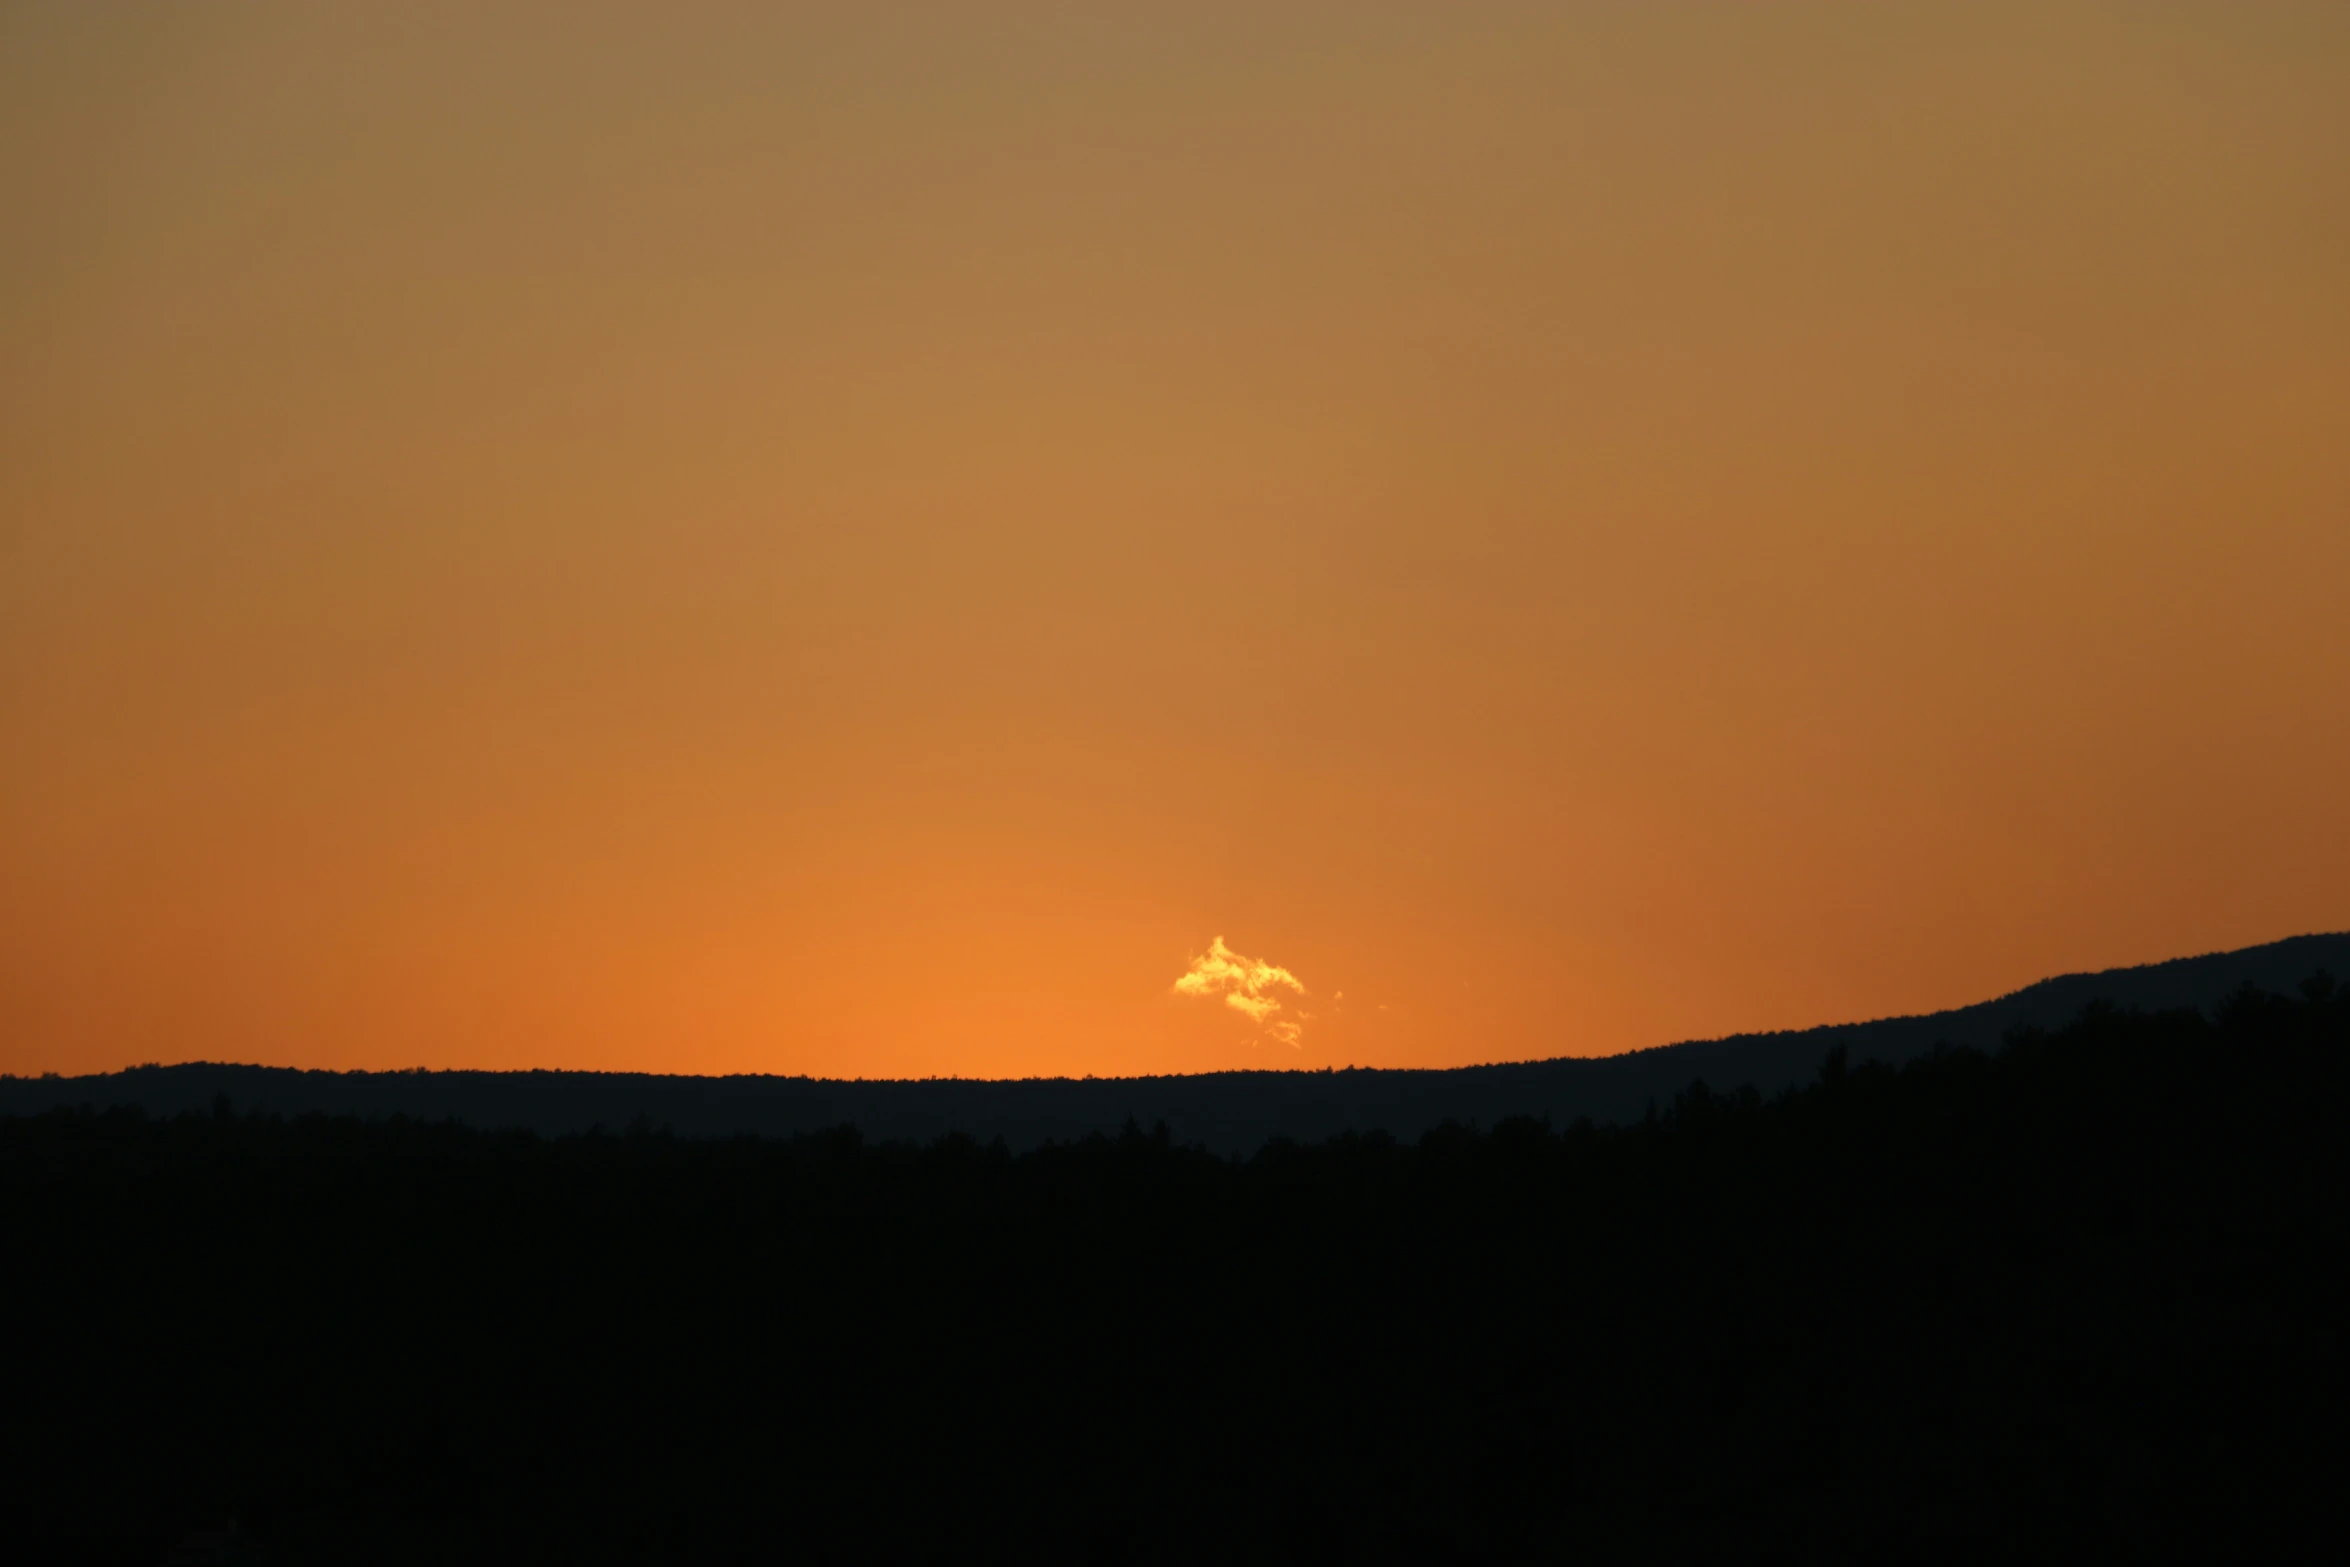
(1227, 1112)
(2079, 1292)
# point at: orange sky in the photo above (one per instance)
(860, 539)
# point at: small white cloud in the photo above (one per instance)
(1245, 983)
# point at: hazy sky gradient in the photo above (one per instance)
(859, 539)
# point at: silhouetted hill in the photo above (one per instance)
(2077, 1296)
(1228, 1112)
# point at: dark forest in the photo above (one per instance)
(2079, 1291)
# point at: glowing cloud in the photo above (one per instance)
(1244, 983)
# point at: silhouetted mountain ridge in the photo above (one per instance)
(2075, 1294)
(1229, 1112)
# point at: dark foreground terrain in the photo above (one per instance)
(2083, 1292)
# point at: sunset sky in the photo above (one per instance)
(990, 539)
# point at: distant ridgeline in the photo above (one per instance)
(1228, 1112)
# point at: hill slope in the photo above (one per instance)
(2075, 1294)
(1229, 1112)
